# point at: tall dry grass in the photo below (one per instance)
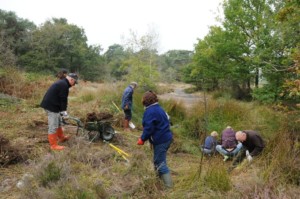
(97, 171)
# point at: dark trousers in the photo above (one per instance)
(239, 157)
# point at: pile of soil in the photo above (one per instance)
(91, 117)
(8, 154)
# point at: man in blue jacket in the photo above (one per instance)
(55, 103)
(127, 101)
(156, 129)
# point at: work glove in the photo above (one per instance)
(140, 141)
(249, 157)
(64, 114)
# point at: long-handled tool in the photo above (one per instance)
(131, 125)
(116, 106)
(120, 151)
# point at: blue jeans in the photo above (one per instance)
(207, 151)
(232, 153)
(160, 157)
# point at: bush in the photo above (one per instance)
(51, 174)
(265, 95)
(217, 178)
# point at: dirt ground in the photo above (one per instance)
(179, 95)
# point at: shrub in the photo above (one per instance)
(51, 173)
(217, 178)
(265, 95)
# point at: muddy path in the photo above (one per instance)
(180, 96)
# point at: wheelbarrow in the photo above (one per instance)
(95, 130)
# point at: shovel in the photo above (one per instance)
(131, 125)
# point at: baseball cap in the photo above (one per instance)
(74, 76)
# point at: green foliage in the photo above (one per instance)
(115, 57)
(93, 65)
(141, 65)
(193, 127)
(15, 36)
(170, 75)
(137, 109)
(282, 163)
(184, 145)
(173, 62)
(266, 94)
(52, 173)
(67, 192)
(177, 58)
(217, 178)
(221, 94)
(227, 112)
(56, 44)
(145, 75)
(87, 97)
(175, 110)
(237, 55)
(75, 172)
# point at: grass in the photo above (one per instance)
(96, 170)
(217, 178)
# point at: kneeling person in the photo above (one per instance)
(210, 143)
(253, 145)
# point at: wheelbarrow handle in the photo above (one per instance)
(77, 120)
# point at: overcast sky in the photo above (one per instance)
(177, 22)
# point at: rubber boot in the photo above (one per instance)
(167, 180)
(61, 136)
(126, 125)
(53, 142)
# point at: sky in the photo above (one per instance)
(178, 23)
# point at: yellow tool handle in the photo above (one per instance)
(123, 156)
(116, 106)
(119, 150)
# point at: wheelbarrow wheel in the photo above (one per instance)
(92, 136)
(108, 133)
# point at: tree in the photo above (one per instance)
(14, 36)
(57, 44)
(142, 62)
(288, 18)
(175, 60)
(252, 21)
(115, 57)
